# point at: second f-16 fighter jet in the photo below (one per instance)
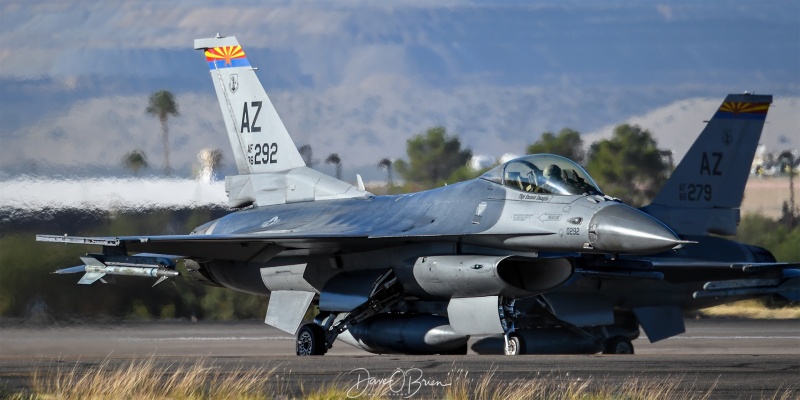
(531, 251)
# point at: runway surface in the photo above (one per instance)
(730, 358)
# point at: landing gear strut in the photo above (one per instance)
(315, 338)
(540, 331)
(514, 344)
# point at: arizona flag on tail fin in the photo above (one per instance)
(705, 191)
(226, 57)
(743, 110)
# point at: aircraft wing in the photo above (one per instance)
(247, 247)
(227, 247)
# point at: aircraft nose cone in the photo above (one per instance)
(622, 229)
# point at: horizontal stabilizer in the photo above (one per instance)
(791, 289)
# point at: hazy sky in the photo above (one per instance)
(360, 77)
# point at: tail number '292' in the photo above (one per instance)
(262, 153)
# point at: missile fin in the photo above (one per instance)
(91, 277)
(162, 279)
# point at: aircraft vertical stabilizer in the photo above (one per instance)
(259, 139)
(271, 170)
(705, 191)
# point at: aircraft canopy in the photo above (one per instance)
(544, 173)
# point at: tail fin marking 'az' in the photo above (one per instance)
(271, 170)
(705, 191)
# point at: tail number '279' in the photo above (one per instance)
(264, 153)
(695, 192)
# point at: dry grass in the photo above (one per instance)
(486, 387)
(146, 380)
(753, 309)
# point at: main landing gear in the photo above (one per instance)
(315, 338)
(311, 340)
(618, 345)
(539, 331)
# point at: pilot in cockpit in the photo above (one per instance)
(553, 181)
(529, 174)
(553, 173)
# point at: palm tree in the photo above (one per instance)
(308, 155)
(210, 164)
(162, 104)
(135, 160)
(387, 164)
(216, 160)
(335, 160)
(787, 162)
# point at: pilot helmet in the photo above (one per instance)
(552, 171)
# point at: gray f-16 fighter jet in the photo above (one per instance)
(532, 251)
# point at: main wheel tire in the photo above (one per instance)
(516, 345)
(618, 345)
(311, 340)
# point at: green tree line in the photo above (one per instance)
(629, 165)
(27, 287)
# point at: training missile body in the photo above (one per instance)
(98, 265)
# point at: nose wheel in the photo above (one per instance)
(514, 345)
(311, 340)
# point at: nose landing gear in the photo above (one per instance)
(514, 345)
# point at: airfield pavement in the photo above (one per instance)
(735, 358)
